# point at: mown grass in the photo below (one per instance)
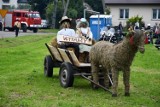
(22, 83)
(48, 30)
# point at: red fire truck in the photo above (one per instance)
(29, 20)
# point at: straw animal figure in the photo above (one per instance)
(116, 58)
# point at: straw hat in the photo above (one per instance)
(65, 18)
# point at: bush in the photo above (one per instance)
(133, 20)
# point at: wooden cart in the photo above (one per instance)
(69, 67)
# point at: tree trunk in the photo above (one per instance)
(66, 8)
(64, 2)
(103, 4)
(54, 13)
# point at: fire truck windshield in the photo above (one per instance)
(34, 15)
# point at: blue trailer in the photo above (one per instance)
(97, 22)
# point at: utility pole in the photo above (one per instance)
(54, 13)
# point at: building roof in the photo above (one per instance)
(132, 1)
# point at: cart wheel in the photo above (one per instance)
(66, 76)
(48, 66)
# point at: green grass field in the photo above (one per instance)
(23, 84)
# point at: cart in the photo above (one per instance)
(69, 66)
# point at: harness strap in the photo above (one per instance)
(131, 40)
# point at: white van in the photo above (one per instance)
(44, 24)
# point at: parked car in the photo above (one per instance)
(44, 24)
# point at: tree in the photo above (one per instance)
(65, 5)
(103, 4)
(39, 5)
(73, 10)
(54, 13)
(96, 5)
(134, 19)
(107, 11)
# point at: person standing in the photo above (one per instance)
(136, 25)
(17, 26)
(155, 27)
(120, 27)
(158, 31)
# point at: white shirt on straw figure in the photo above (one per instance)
(83, 31)
(66, 30)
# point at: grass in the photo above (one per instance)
(22, 83)
(48, 30)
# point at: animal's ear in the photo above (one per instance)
(131, 33)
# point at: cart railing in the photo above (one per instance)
(64, 55)
(72, 39)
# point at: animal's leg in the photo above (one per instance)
(115, 74)
(95, 75)
(126, 77)
(106, 79)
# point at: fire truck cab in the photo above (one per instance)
(29, 20)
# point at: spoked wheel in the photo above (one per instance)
(66, 75)
(48, 66)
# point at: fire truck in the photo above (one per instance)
(30, 20)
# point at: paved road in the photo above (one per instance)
(6, 34)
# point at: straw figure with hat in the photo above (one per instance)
(65, 23)
(83, 31)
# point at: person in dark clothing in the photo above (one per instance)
(1, 25)
(17, 26)
(120, 27)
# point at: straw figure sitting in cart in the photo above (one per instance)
(81, 50)
(83, 31)
(65, 23)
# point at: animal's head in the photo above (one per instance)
(136, 39)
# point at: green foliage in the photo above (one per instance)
(134, 19)
(72, 13)
(49, 12)
(107, 11)
(40, 6)
(22, 82)
(76, 6)
(96, 5)
(75, 10)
